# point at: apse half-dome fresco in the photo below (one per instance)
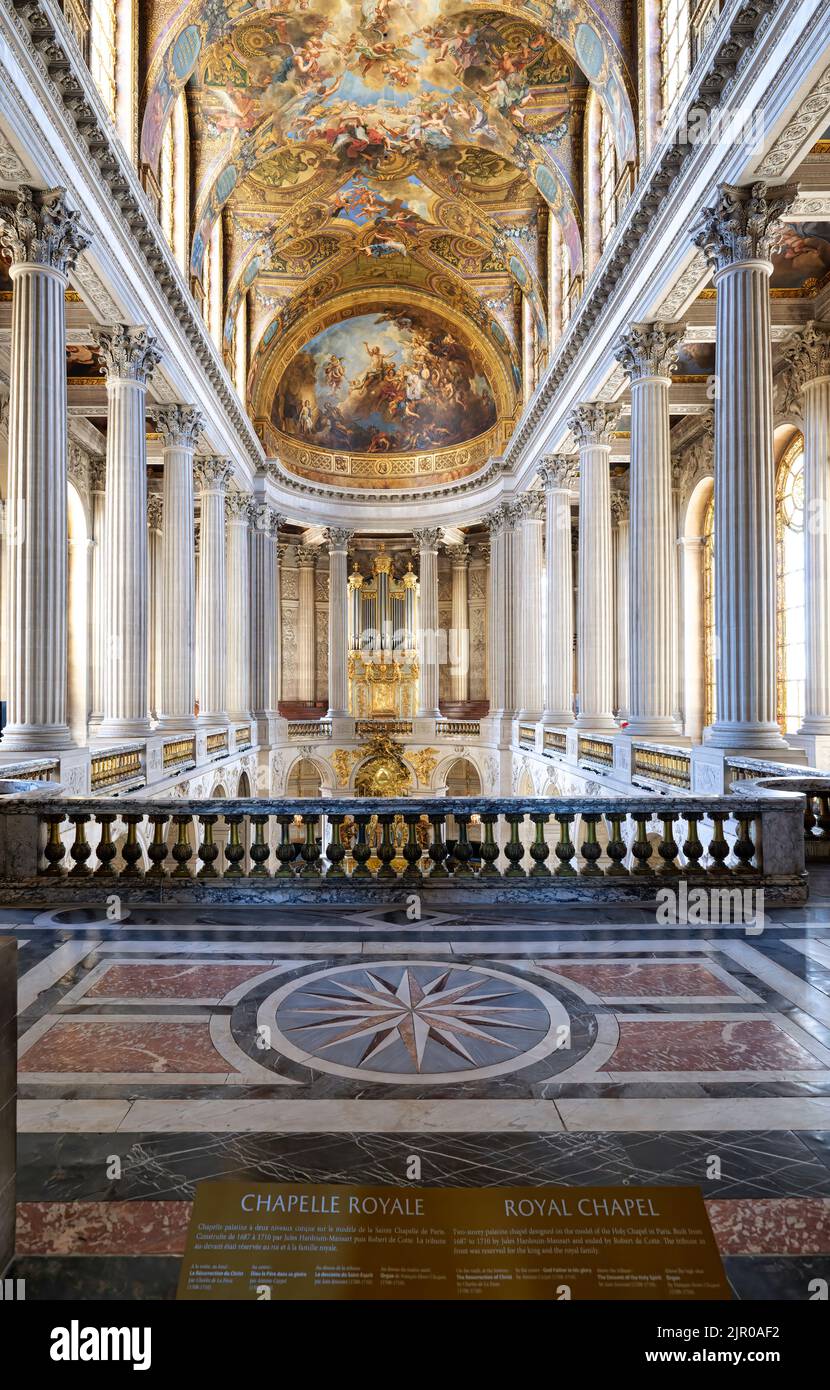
(381, 383)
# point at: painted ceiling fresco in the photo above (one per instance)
(356, 143)
(388, 382)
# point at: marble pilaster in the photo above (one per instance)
(213, 476)
(156, 611)
(43, 238)
(337, 541)
(647, 353)
(559, 475)
(238, 552)
(592, 424)
(265, 615)
(459, 649)
(736, 234)
(620, 541)
(130, 355)
(180, 427)
(528, 614)
(496, 623)
(307, 556)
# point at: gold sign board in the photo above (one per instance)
(302, 1241)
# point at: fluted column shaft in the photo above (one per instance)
(427, 541)
(529, 536)
(156, 612)
(592, 425)
(306, 615)
(43, 239)
(238, 508)
(647, 353)
(558, 475)
(511, 590)
(496, 625)
(621, 540)
(130, 355)
(180, 426)
(736, 235)
(213, 476)
(99, 596)
(459, 652)
(338, 544)
(265, 621)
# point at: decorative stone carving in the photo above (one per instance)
(740, 226)
(38, 228)
(593, 422)
(532, 506)
(213, 474)
(179, 425)
(307, 555)
(458, 554)
(338, 539)
(155, 511)
(619, 506)
(237, 506)
(559, 472)
(807, 354)
(428, 538)
(809, 119)
(11, 167)
(129, 354)
(649, 349)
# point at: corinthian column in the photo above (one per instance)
(460, 632)
(44, 240)
(647, 353)
(212, 477)
(306, 614)
(130, 356)
(156, 613)
(808, 353)
(427, 541)
(496, 622)
(180, 427)
(735, 235)
(265, 616)
(338, 547)
(622, 636)
(592, 425)
(559, 475)
(529, 693)
(238, 515)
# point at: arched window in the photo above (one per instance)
(607, 177)
(790, 624)
(565, 282)
(709, 686)
(174, 179)
(675, 49)
(103, 28)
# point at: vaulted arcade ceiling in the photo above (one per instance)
(384, 173)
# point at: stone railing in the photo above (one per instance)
(343, 848)
(662, 764)
(309, 729)
(179, 753)
(814, 787)
(33, 770)
(117, 767)
(595, 749)
(367, 728)
(458, 728)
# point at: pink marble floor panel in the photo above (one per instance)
(102, 1228)
(128, 1046)
(771, 1226)
(710, 1044)
(174, 981)
(646, 979)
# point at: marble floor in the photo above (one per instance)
(501, 1045)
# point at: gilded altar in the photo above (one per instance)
(383, 666)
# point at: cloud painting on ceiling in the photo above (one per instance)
(394, 382)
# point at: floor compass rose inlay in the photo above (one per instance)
(414, 1021)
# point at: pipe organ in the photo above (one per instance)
(383, 644)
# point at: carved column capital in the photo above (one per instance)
(494, 520)
(238, 507)
(307, 556)
(155, 511)
(531, 505)
(593, 422)
(338, 539)
(807, 354)
(741, 224)
(129, 354)
(619, 506)
(649, 349)
(38, 228)
(428, 538)
(459, 555)
(178, 425)
(559, 472)
(213, 474)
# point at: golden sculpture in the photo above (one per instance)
(425, 763)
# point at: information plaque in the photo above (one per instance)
(302, 1241)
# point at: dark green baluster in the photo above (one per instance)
(182, 850)
(667, 848)
(335, 849)
(208, 849)
(131, 852)
(463, 850)
(616, 849)
(157, 849)
(564, 848)
(362, 850)
(744, 846)
(692, 845)
(718, 846)
(106, 850)
(81, 849)
(386, 848)
(514, 849)
(641, 848)
(438, 850)
(590, 848)
(540, 849)
(286, 852)
(260, 849)
(234, 849)
(412, 852)
(489, 849)
(310, 851)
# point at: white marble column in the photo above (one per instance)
(496, 623)
(511, 588)
(265, 615)
(528, 612)
(620, 541)
(130, 356)
(427, 541)
(338, 548)
(43, 238)
(213, 476)
(306, 613)
(559, 474)
(735, 235)
(238, 518)
(647, 353)
(459, 638)
(808, 353)
(98, 497)
(180, 427)
(592, 424)
(156, 600)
